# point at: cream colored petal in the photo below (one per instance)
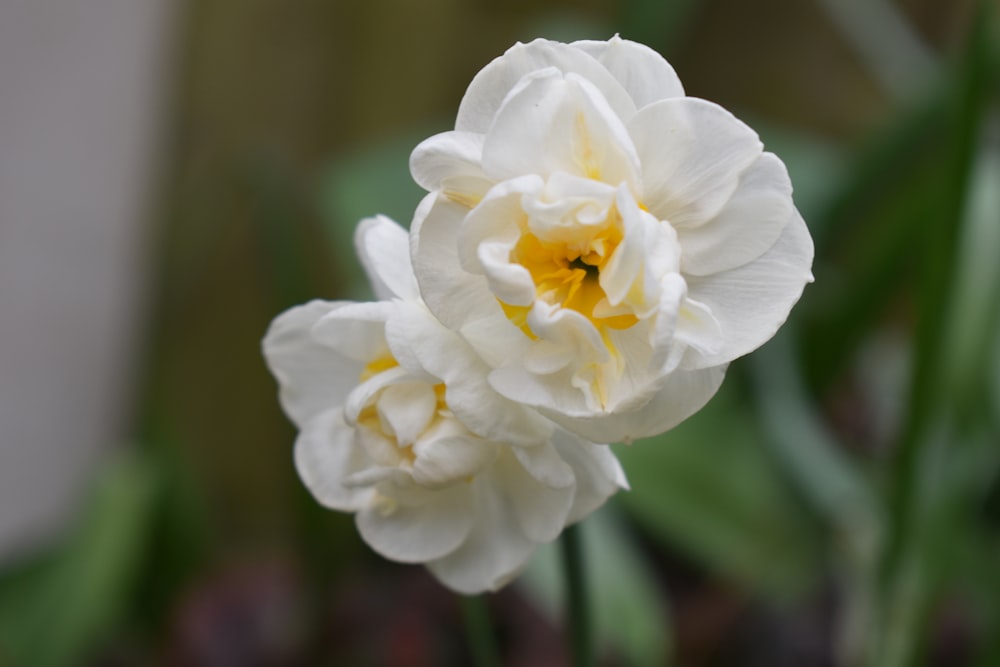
(384, 249)
(643, 72)
(494, 82)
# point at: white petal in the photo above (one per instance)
(541, 510)
(450, 162)
(425, 525)
(384, 249)
(643, 72)
(597, 473)
(325, 456)
(698, 328)
(750, 302)
(492, 84)
(362, 394)
(451, 293)
(446, 460)
(407, 409)
(545, 466)
(496, 549)
(312, 376)
(747, 226)
(682, 394)
(445, 355)
(692, 155)
(355, 330)
(554, 122)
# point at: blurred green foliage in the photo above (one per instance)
(855, 457)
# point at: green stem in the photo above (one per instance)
(578, 611)
(479, 631)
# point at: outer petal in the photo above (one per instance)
(496, 549)
(384, 249)
(750, 302)
(540, 510)
(427, 525)
(692, 154)
(545, 466)
(555, 122)
(325, 456)
(355, 330)
(451, 162)
(452, 294)
(492, 84)
(596, 470)
(682, 395)
(643, 72)
(747, 226)
(312, 376)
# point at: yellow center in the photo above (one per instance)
(567, 275)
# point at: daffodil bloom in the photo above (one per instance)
(398, 424)
(605, 243)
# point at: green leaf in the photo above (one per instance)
(708, 488)
(56, 612)
(368, 182)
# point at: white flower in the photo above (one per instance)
(398, 424)
(607, 244)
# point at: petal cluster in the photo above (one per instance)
(605, 243)
(594, 249)
(398, 424)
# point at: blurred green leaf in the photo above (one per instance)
(365, 183)
(628, 610)
(815, 462)
(57, 613)
(709, 488)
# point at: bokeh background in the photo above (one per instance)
(174, 174)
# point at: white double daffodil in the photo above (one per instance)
(398, 423)
(605, 244)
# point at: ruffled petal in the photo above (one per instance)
(451, 293)
(643, 72)
(681, 395)
(451, 163)
(541, 510)
(496, 549)
(355, 330)
(384, 249)
(407, 409)
(492, 84)
(596, 470)
(747, 226)
(414, 333)
(423, 526)
(312, 376)
(554, 122)
(750, 302)
(325, 456)
(693, 153)
(450, 459)
(545, 466)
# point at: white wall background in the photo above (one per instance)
(81, 90)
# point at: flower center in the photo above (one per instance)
(567, 274)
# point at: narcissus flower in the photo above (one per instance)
(605, 243)
(398, 423)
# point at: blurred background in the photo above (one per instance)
(175, 174)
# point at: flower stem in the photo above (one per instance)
(577, 604)
(479, 631)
